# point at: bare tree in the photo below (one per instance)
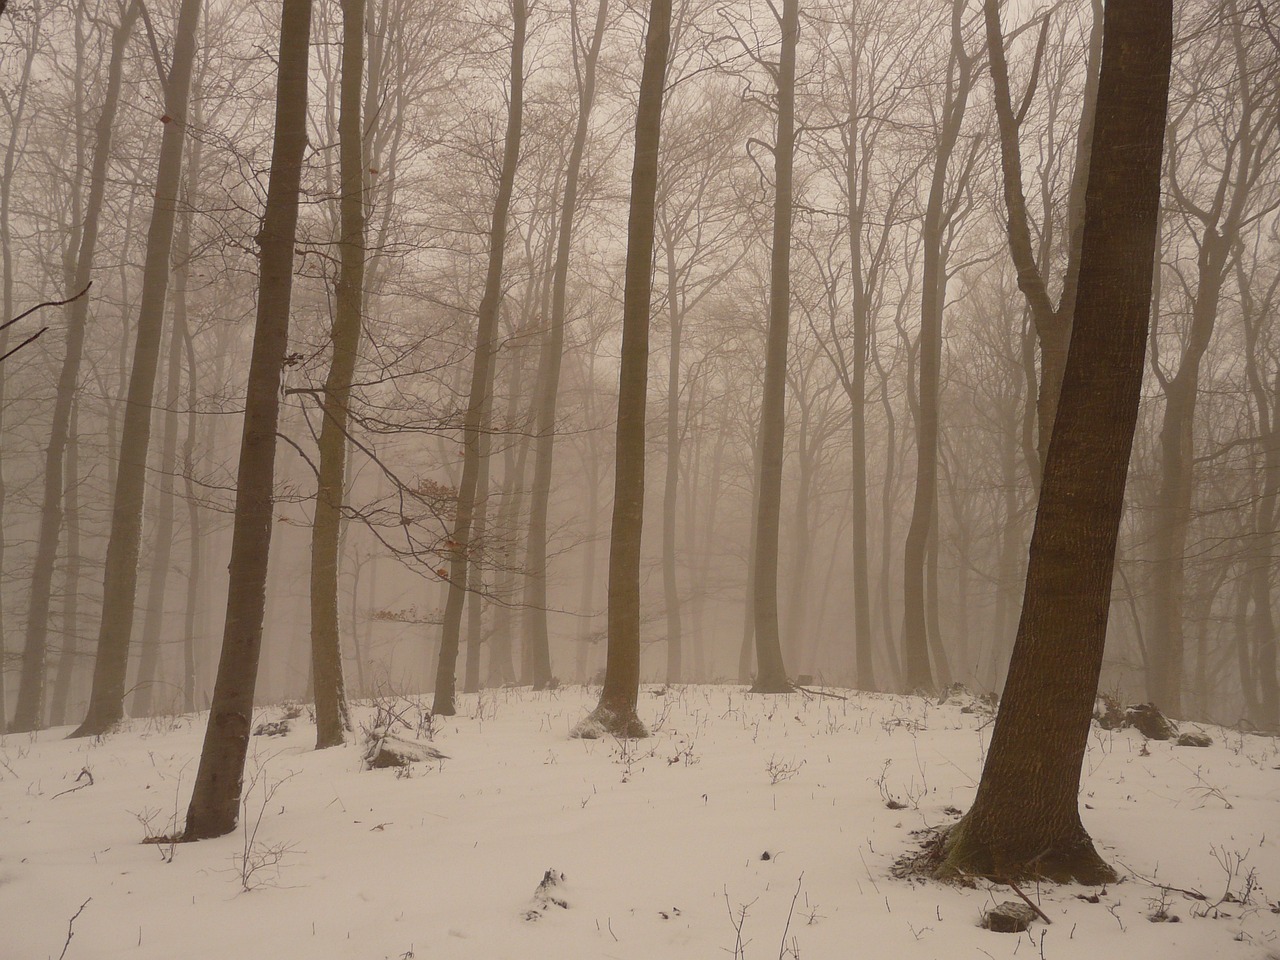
(1025, 819)
(215, 801)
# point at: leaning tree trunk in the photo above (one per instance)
(616, 712)
(1025, 819)
(535, 584)
(478, 402)
(332, 720)
(120, 582)
(28, 710)
(215, 802)
(771, 675)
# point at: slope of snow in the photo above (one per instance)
(746, 826)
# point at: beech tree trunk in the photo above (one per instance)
(332, 720)
(771, 675)
(215, 802)
(549, 360)
(120, 581)
(616, 712)
(30, 703)
(479, 400)
(1025, 819)
(924, 510)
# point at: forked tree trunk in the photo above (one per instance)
(332, 720)
(479, 401)
(215, 802)
(30, 704)
(771, 675)
(1025, 819)
(616, 712)
(120, 581)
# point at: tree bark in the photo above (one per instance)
(332, 720)
(120, 582)
(1025, 819)
(616, 712)
(924, 509)
(479, 401)
(29, 708)
(549, 360)
(771, 674)
(215, 802)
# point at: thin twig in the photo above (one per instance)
(70, 923)
(84, 772)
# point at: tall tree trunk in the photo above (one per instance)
(29, 708)
(616, 712)
(535, 584)
(69, 652)
(924, 509)
(478, 402)
(332, 720)
(196, 539)
(477, 600)
(1025, 819)
(215, 802)
(18, 129)
(771, 675)
(153, 621)
(120, 582)
(671, 483)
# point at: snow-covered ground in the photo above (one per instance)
(746, 826)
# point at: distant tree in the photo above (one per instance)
(215, 801)
(771, 674)
(1025, 819)
(120, 580)
(616, 712)
(28, 713)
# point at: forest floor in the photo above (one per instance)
(745, 827)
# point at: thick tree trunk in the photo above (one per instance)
(771, 675)
(120, 582)
(29, 708)
(1025, 819)
(616, 712)
(332, 721)
(215, 802)
(479, 401)
(476, 601)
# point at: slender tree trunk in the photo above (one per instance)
(153, 621)
(1025, 819)
(616, 712)
(535, 584)
(476, 601)
(332, 720)
(215, 802)
(69, 652)
(924, 509)
(481, 378)
(7, 309)
(671, 483)
(771, 675)
(106, 701)
(29, 707)
(194, 579)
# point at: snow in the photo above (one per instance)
(657, 847)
